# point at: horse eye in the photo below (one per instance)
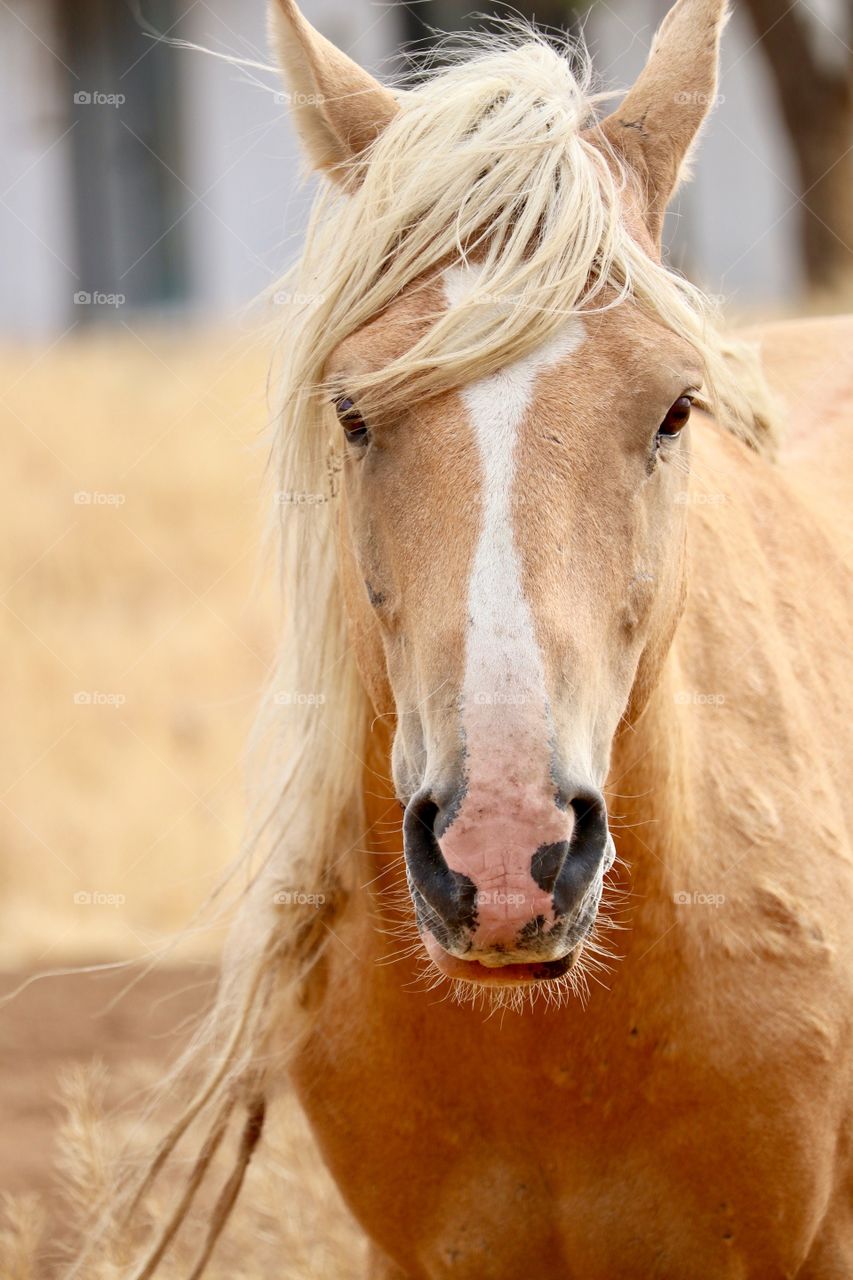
(355, 428)
(677, 418)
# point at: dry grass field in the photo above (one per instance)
(136, 632)
(137, 625)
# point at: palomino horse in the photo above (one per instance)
(559, 591)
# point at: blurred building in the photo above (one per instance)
(140, 177)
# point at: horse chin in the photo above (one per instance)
(497, 973)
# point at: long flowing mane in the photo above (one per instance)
(493, 158)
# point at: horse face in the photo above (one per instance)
(512, 548)
(515, 580)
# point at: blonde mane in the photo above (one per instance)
(496, 159)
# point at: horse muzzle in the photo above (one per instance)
(506, 887)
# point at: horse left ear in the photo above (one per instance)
(660, 117)
(338, 107)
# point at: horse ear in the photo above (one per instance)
(660, 117)
(338, 108)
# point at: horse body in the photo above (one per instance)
(691, 1119)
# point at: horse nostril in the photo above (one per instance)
(451, 896)
(423, 812)
(590, 816)
(547, 864)
(582, 861)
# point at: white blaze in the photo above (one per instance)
(509, 806)
(503, 658)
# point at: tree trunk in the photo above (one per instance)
(816, 100)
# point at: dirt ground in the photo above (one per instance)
(58, 1022)
(290, 1222)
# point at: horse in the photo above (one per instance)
(549, 922)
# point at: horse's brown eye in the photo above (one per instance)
(677, 417)
(355, 428)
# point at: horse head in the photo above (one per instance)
(508, 371)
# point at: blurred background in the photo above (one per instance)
(150, 193)
(143, 180)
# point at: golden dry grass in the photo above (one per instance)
(289, 1223)
(136, 629)
(135, 637)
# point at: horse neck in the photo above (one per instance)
(651, 807)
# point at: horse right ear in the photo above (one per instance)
(338, 108)
(658, 122)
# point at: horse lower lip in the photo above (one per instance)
(499, 975)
